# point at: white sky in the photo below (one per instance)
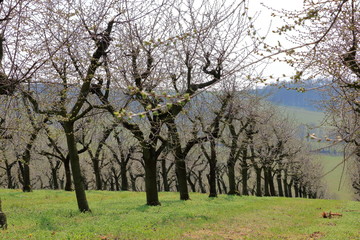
(266, 23)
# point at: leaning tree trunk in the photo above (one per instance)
(75, 167)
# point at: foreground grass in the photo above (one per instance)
(122, 215)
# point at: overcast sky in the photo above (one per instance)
(266, 21)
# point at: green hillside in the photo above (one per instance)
(332, 166)
(48, 214)
(303, 116)
(338, 185)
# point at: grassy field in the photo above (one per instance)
(338, 186)
(47, 214)
(302, 115)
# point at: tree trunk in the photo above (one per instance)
(75, 167)
(26, 156)
(279, 183)
(97, 173)
(180, 169)
(25, 175)
(124, 179)
(180, 155)
(133, 183)
(222, 184)
(231, 175)
(266, 183)
(112, 184)
(212, 170)
(271, 182)
(258, 181)
(286, 186)
(68, 181)
(9, 177)
(164, 175)
(201, 184)
(212, 179)
(152, 196)
(304, 193)
(116, 179)
(54, 178)
(290, 188)
(192, 185)
(296, 190)
(244, 176)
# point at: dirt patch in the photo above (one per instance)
(219, 234)
(330, 224)
(317, 235)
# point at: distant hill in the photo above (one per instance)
(309, 100)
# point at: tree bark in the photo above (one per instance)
(164, 175)
(54, 178)
(180, 169)
(231, 176)
(152, 196)
(289, 187)
(244, 176)
(258, 181)
(296, 190)
(286, 185)
(97, 173)
(9, 175)
(124, 179)
(68, 180)
(25, 175)
(75, 167)
(271, 182)
(266, 183)
(279, 183)
(25, 159)
(212, 170)
(200, 181)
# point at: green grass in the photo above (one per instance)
(338, 182)
(46, 214)
(302, 115)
